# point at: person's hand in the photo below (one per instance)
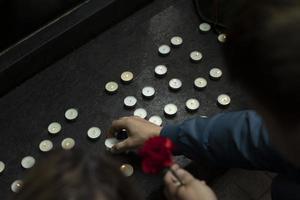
(138, 130)
(192, 189)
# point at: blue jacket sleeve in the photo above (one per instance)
(237, 139)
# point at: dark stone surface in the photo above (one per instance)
(78, 81)
(254, 183)
(226, 189)
(59, 37)
(21, 18)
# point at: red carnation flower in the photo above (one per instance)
(156, 154)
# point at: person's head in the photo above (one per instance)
(263, 53)
(75, 175)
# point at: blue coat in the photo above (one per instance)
(237, 139)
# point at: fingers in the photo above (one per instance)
(173, 186)
(184, 176)
(122, 146)
(122, 123)
(117, 125)
(171, 183)
(175, 167)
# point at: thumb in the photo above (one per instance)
(122, 146)
(184, 176)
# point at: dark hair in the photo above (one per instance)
(75, 175)
(263, 53)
